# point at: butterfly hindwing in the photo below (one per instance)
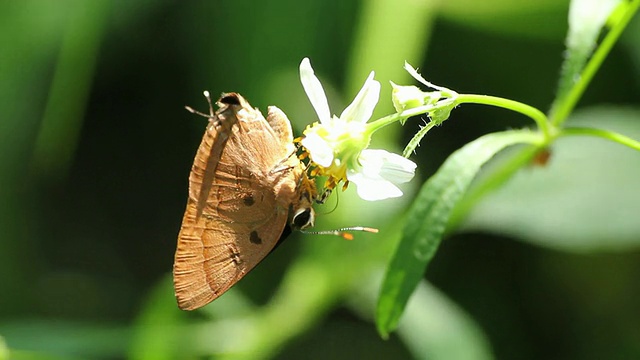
(242, 183)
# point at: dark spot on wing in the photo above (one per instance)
(255, 238)
(249, 200)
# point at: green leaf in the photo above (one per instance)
(576, 76)
(61, 124)
(585, 200)
(4, 350)
(451, 334)
(586, 20)
(509, 18)
(435, 327)
(427, 219)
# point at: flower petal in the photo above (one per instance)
(389, 166)
(379, 171)
(371, 188)
(396, 168)
(314, 90)
(362, 106)
(320, 151)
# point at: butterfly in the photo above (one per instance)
(246, 188)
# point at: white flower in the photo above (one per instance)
(336, 145)
(379, 173)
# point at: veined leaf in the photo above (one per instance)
(427, 219)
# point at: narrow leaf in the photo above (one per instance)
(586, 20)
(427, 219)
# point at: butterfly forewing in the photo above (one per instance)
(242, 184)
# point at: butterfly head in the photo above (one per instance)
(303, 218)
(302, 213)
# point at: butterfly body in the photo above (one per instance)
(245, 186)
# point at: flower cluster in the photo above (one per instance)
(337, 145)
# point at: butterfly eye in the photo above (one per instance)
(303, 218)
(230, 99)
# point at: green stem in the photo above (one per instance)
(538, 116)
(566, 105)
(416, 139)
(390, 119)
(605, 134)
(382, 122)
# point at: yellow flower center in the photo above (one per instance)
(346, 139)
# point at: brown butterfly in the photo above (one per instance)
(246, 186)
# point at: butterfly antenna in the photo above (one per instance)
(194, 111)
(342, 232)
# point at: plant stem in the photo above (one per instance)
(605, 134)
(538, 116)
(413, 144)
(390, 119)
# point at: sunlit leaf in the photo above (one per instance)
(4, 351)
(428, 217)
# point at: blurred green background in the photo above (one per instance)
(96, 148)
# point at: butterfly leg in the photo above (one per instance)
(280, 168)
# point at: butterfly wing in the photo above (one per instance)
(241, 184)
